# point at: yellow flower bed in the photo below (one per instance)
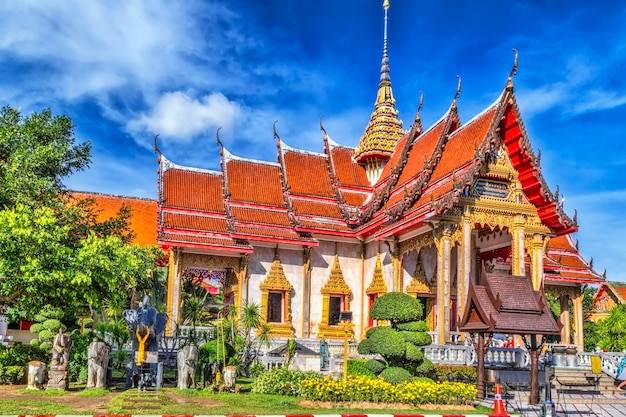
(362, 388)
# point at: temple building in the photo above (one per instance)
(412, 208)
(608, 296)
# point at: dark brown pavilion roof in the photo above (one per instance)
(507, 304)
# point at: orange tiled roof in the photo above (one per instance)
(460, 148)
(255, 182)
(621, 290)
(561, 242)
(354, 199)
(423, 147)
(143, 220)
(216, 241)
(314, 208)
(348, 172)
(324, 225)
(394, 158)
(259, 215)
(194, 222)
(260, 231)
(199, 190)
(308, 174)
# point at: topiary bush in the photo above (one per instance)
(359, 367)
(375, 366)
(282, 381)
(77, 367)
(396, 307)
(413, 326)
(395, 375)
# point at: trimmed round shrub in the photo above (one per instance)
(52, 324)
(413, 326)
(45, 346)
(40, 318)
(426, 368)
(375, 366)
(34, 342)
(413, 353)
(385, 341)
(395, 375)
(46, 334)
(358, 367)
(417, 338)
(36, 328)
(397, 307)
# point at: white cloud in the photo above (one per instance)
(177, 116)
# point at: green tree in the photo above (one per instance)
(36, 153)
(53, 248)
(612, 330)
(399, 344)
(40, 264)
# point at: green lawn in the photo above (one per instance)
(173, 401)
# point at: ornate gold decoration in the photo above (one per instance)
(419, 284)
(384, 128)
(210, 262)
(377, 286)
(277, 281)
(335, 285)
(416, 243)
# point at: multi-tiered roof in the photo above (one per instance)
(304, 195)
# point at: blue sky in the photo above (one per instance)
(126, 70)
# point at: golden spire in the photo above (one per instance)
(384, 128)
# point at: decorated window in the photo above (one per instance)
(335, 299)
(276, 300)
(275, 306)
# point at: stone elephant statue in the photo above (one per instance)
(187, 359)
(98, 356)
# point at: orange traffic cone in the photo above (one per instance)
(498, 405)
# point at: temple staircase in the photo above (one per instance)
(586, 386)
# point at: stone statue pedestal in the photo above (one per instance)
(57, 379)
(35, 374)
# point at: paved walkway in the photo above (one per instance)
(568, 405)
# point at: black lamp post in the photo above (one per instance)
(548, 409)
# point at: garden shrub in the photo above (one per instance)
(383, 340)
(19, 354)
(395, 375)
(375, 366)
(396, 306)
(413, 353)
(282, 381)
(12, 375)
(77, 367)
(426, 368)
(455, 373)
(362, 388)
(358, 367)
(256, 369)
(417, 338)
(414, 326)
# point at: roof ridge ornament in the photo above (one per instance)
(322, 127)
(156, 146)
(219, 141)
(457, 94)
(509, 84)
(276, 136)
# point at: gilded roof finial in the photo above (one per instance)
(418, 117)
(509, 84)
(384, 129)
